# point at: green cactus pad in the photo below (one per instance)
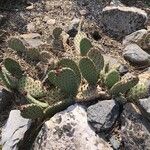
(13, 67)
(95, 55)
(106, 67)
(88, 70)
(17, 45)
(37, 102)
(141, 90)
(65, 79)
(33, 54)
(123, 86)
(85, 46)
(6, 79)
(52, 77)
(31, 111)
(59, 106)
(57, 32)
(82, 43)
(34, 88)
(111, 78)
(72, 65)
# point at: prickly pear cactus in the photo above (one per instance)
(17, 45)
(95, 55)
(31, 111)
(7, 80)
(33, 54)
(88, 70)
(111, 78)
(82, 43)
(13, 67)
(34, 88)
(124, 85)
(66, 80)
(142, 89)
(72, 65)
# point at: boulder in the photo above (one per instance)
(69, 130)
(119, 21)
(135, 131)
(136, 56)
(14, 130)
(140, 37)
(103, 115)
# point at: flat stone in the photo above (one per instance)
(136, 56)
(135, 129)
(119, 21)
(103, 115)
(69, 130)
(14, 130)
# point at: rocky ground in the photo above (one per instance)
(111, 124)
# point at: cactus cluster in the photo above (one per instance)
(70, 80)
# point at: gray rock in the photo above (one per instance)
(69, 130)
(144, 105)
(134, 37)
(136, 56)
(103, 115)
(14, 130)
(119, 21)
(135, 129)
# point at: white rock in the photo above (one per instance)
(14, 130)
(69, 130)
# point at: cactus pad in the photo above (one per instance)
(85, 46)
(123, 86)
(31, 111)
(142, 89)
(13, 67)
(111, 78)
(72, 65)
(6, 79)
(33, 54)
(65, 79)
(82, 44)
(34, 88)
(95, 55)
(88, 70)
(17, 45)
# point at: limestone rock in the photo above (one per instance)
(69, 130)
